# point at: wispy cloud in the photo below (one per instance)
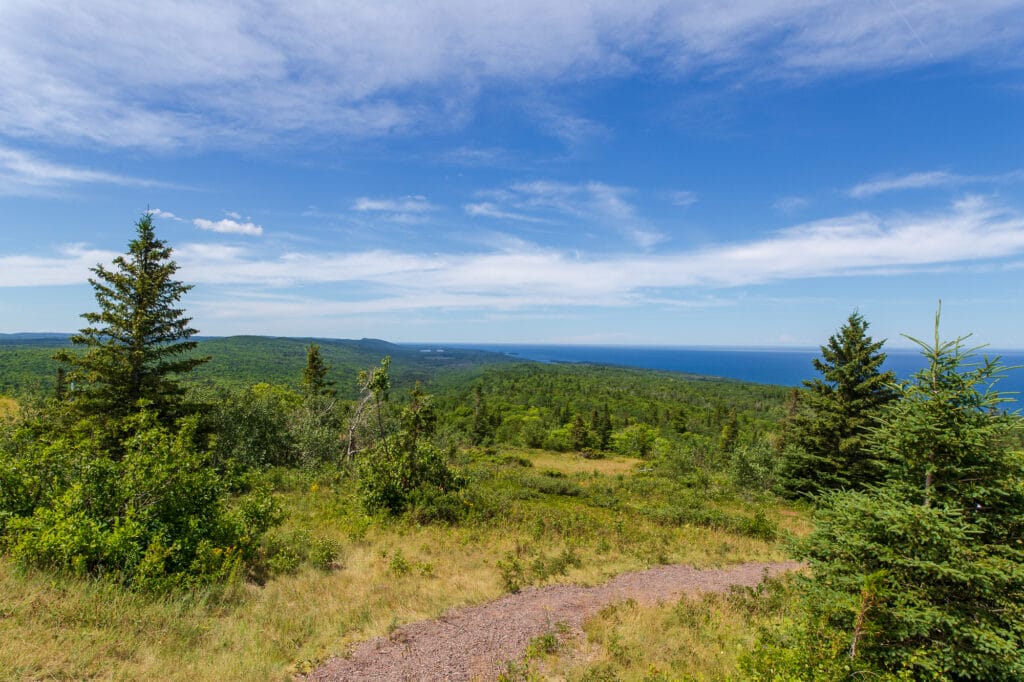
(684, 197)
(571, 129)
(211, 76)
(922, 180)
(24, 173)
(790, 204)
(522, 276)
(410, 204)
(70, 266)
(598, 203)
(488, 210)
(228, 226)
(909, 181)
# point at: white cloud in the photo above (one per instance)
(910, 181)
(488, 210)
(228, 226)
(22, 173)
(410, 204)
(166, 214)
(890, 183)
(522, 276)
(214, 75)
(70, 266)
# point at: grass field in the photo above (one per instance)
(562, 518)
(8, 408)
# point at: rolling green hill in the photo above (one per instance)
(26, 364)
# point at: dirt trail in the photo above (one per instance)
(473, 642)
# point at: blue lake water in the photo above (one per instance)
(786, 367)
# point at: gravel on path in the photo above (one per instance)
(474, 642)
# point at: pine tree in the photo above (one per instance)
(836, 413)
(314, 374)
(603, 428)
(921, 577)
(137, 345)
(579, 433)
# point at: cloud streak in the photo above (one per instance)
(214, 76)
(526, 277)
(923, 180)
(22, 173)
(410, 204)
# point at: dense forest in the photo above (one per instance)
(173, 507)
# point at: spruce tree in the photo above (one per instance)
(314, 374)
(921, 577)
(138, 344)
(835, 414)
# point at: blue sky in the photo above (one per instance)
(669, 173)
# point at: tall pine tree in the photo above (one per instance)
(314, 374)
(138, 344)
(921, 577)
(827, 433)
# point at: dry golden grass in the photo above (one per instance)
(8, 408)
(69, 628)
(696, 638)
(571, 463)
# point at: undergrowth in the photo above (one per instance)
(331, 574)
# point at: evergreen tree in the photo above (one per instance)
(579, 433)
(484, 422)
(730, 431)
(923, 576)
(314, 374)
(603, 428)
(137, 344)
(836, 413)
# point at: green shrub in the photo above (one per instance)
(392, 480)
(155, 518)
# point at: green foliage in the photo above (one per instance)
(636, 440)
(595, 409)
(286, 553)
(836, 413)
(922, 576)
(394, 481)
(406, 470)
(251, 426)
(154, 518)
(754, 467)
(136, 345)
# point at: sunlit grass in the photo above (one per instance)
(388, 573)
(571, 463)
(8, 408)
(696, 637)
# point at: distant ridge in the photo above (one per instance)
(26, 360)
(31, 336)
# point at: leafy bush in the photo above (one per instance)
(154, 519)
(393, 481)
(251, 425)
(636, 440)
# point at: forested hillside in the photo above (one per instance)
(27, 365)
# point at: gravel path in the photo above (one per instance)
(473, 642)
